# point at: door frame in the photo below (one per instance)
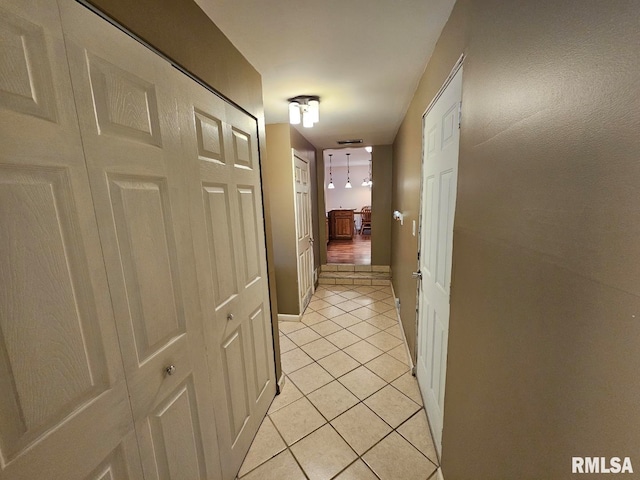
(322, 205)
(456, 67)
(296, 154)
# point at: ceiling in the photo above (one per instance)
(363, 58)
(359, 156)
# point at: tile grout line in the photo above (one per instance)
(328, 422)
(334, 378)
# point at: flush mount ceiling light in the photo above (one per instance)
(348, 185)
(305, 108)
(331, 186)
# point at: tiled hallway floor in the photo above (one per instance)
(350, 409)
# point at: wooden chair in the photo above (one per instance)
(365, 218)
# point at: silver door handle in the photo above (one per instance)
(310, 240)
(170, 370)
(417, 274)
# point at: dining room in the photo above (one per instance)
(348, 187)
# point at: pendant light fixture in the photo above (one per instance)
(331, 186)
(348, 185)
(368, 182)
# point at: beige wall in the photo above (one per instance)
(543, 345)
(278, 180)
(381, 211)
(181, 31)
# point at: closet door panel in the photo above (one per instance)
(129, 123)
(62, 385)
(220, 144)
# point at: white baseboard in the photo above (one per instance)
(406, 345)
(285, 317)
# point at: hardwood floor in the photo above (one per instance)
(356, 251)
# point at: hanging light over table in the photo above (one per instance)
(348, 185)
(331, 186)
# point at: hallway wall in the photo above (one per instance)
(543, 356)
(278, 180)
(381, 211)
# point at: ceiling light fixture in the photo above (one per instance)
(331, 186)
(348, 185)
(305, 108)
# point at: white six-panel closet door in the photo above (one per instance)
(220, 145)
(64, 408)
(129, 123)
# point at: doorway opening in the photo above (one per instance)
(347, 194)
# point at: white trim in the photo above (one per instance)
(446, 83)
(285, 317)
(404, 338)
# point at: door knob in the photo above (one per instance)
(230, 317)
(417, 274)
(170, 370)
(310, 240)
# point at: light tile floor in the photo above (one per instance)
(350, 409)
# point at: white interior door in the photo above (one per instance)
(220, 145)
(64, 409)
(129, 122)
(304, 232)
(441, 136)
